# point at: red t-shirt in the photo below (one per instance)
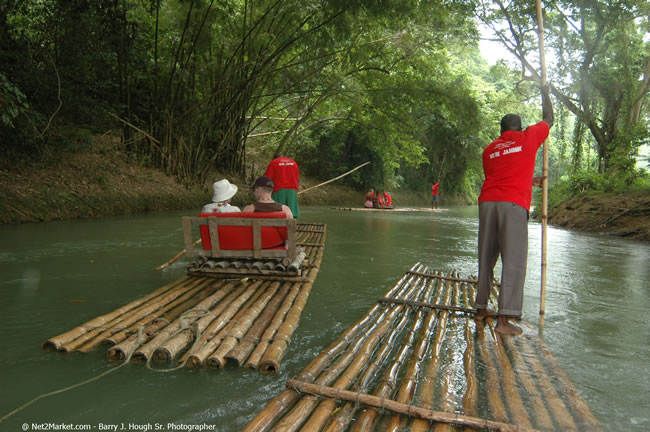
(434, 189)
(509, 163)
(284, 172)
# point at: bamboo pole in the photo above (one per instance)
(94, 337)
(334, 179)
(56, 343)
(120, 351)
(218, 358)
(493, 387)
(427, 388)
(542, 61)
(366, 419)
(344, 416)
(279, 404)
(304, 407)
(209, 324)
(147, 350)
(404, 409)
(253, 337)
(176, 257)
(188, 300)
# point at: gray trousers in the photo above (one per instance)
(503, 230)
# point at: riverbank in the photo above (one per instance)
(99, 180)
(622, 215)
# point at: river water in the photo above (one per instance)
(55, 276)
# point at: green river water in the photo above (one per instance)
(55, 276)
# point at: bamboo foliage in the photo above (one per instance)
(204, 321)
(417, 361)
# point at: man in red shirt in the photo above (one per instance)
(285, 175)
(435, 197)
(508, 165)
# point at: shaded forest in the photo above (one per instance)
(199, 86)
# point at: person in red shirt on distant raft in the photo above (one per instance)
(388, 199)
(370, 198)
(504, 202)
(435, 197)
(285, 175)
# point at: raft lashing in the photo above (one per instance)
(205, 319)
(418, 361)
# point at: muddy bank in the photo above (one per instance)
(625, 216)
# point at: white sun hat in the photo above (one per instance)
(223, 190)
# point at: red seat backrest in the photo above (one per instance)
(233, 237)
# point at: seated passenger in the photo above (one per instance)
(263, 188)
(370, 197)
(388, 199)
(222, 192)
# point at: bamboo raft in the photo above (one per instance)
(418, 361)
(392, 209)
(204, 319)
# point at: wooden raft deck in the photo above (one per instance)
(418, 361)
(207, 319)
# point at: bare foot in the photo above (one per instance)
(504, 326)
(481, 314)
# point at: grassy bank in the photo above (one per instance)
(97, 179)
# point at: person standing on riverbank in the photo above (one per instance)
(504, 202)
(285, 174)
(222, 192)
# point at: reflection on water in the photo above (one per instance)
(55, 276)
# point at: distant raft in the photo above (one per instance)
(204, 320)
(418, 361)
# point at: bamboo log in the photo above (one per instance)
(94, 337)
(270, 362)
(207, 325)
(252, 338)
(278, 405)
(542, 417)
(427, 388)
(55, 343)
(344, 416)
(470, 398)
(147, 350)
(559, 411)
(305, 406)
(243, 324)
(510, 390)
(366, 419)
(120, 351)
(408, 410)
(429, 305)
(493, 387)
(271, 330)
(189, 297)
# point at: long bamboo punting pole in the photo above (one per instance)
(407, 410)
(279, 404)
(94, 337)
(542, 61)
(334, 179)
(176, 257)
(55, 343)
(303, 408)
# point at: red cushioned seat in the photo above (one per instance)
(233, 237)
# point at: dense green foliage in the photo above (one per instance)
(201, 85)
